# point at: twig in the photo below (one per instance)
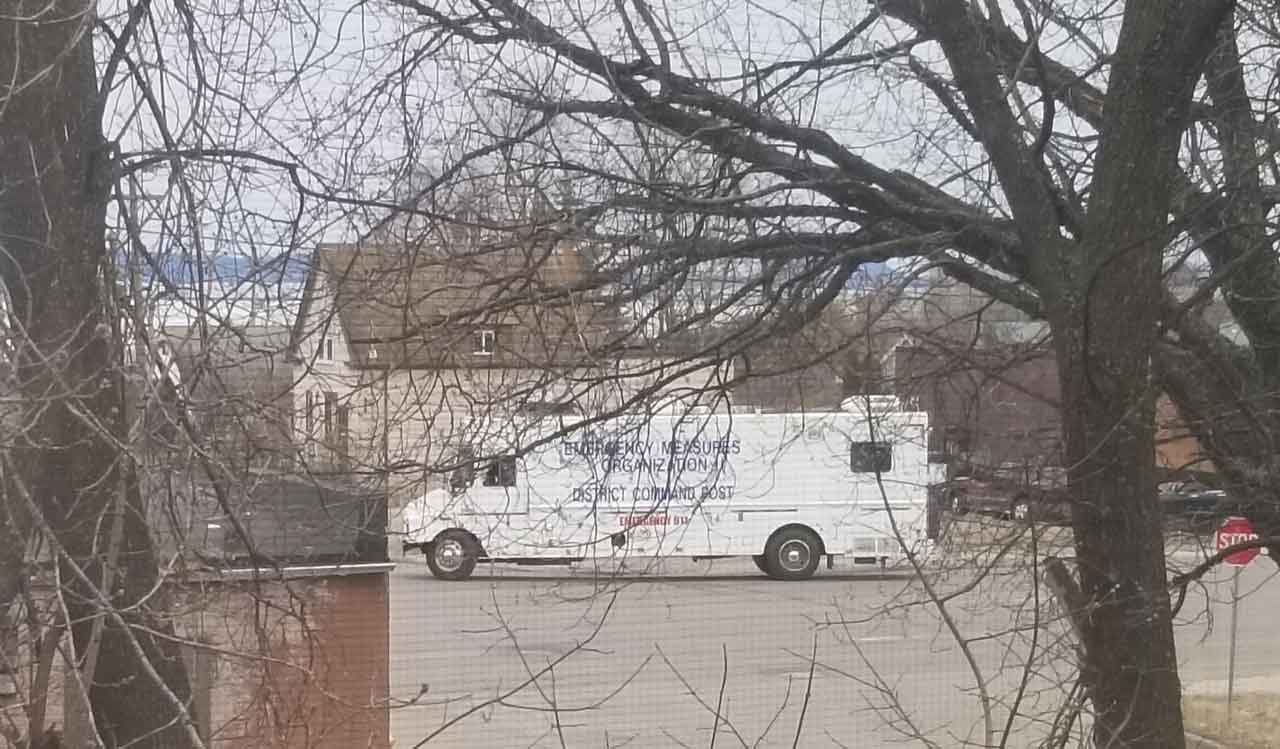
(522, 685)
(694, 693)
(808, 690)
(724, 679)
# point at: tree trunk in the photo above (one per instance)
(1104, 298)
(1130, 662)
(56, 172)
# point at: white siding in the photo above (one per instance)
(412, 421)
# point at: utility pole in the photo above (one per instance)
(134, 229)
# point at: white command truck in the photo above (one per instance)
(784, 489)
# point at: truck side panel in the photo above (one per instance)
(700, 486)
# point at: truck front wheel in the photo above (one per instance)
(792, 554)
(452, 556)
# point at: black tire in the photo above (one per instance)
(792, 554)
(453, 555)
(760, 563)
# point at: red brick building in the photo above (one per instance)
(988, 407)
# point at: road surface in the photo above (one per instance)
(643, 661)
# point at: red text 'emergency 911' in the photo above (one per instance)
(654, 518)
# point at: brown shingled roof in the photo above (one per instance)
(420, 307)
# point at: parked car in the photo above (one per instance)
(1194, 504)
(1011, 500)
(1188, 503)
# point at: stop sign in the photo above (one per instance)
(1234, 531)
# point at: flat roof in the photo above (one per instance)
(286, 572)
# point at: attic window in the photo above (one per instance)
(325, 352)
(484, 341)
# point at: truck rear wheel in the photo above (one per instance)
(452, 556)
(760, 563)
(792, 554)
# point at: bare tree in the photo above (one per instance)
(1067, 220)
(719, 194)
(66, 469)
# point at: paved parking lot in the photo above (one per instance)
(642, 661)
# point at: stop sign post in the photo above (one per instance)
(1235, 530)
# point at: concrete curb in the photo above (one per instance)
(1196, 741)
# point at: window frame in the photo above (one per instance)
(330, 414)
(479, 338)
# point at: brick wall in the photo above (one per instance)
(1176, 448)
(984, 405)
(1004, 412)
(288, 664)
(324, 681)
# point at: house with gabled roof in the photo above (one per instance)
(407, 356)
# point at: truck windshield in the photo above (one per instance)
(501, 472)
